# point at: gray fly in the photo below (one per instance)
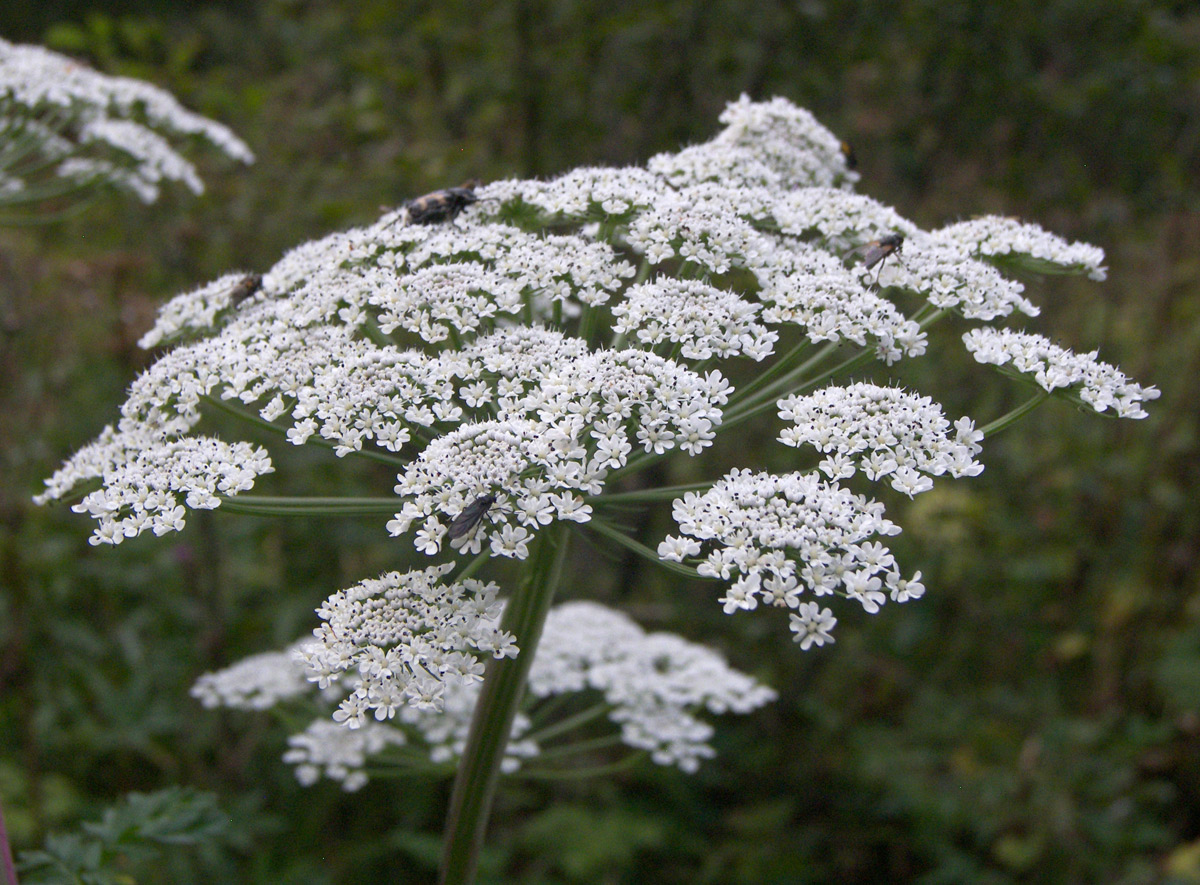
(877, 250)
(470, 516)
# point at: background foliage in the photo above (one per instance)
(1036, 718)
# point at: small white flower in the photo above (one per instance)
(812, 625)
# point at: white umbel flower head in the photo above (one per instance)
(885, 431)
(775, 537)
(1100, 385)
(656, 687)
(92, 127)
(404, 636)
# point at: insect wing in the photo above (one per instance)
(881, 249)
(470, 516)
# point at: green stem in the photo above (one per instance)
(564, 725)
(600, 527)
(772, 395)
(579, 773)
(1016, 414)
(772, 371)
(600, 743)
(266, 505)
(649, 495)
(491, 725)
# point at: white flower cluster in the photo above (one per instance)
(997, 236)
(771, 144)
(946, 273)
(814, 289)
(770, 533)
(563, 420)
(654, 682)
(884, 431)
(147, 480)
(704, 320)
(194, 311)
(406, 636)
(258, 682)
(326, 748)
(654, 685)
(64, 111)
(590, 192)
(1101, 386)
(512, 357)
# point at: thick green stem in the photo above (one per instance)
(491, 726)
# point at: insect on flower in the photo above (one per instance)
(245, 287)
(877, 250)
(470, 516)
(443, 205)
(850, 157)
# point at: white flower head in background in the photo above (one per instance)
(655, 688)
(90, 128)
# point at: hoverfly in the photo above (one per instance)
(244, 288)
(470, 516)
(443, 205)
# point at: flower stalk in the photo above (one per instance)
(503, 686)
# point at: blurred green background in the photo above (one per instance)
(1035, 718)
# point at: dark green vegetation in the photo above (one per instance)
(1035, 718)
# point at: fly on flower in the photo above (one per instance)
(470, 516)
(877, 250)
(245, 287)
(443, 205)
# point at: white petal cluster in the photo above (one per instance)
(147, 481)
(774, 536)
(770, 144)
(997, 236)
(884, 431)
(194, 311)
(946, 273)
(703, 225)
(565, 417)
(656, 683)
(840, 218)
(258, 682)
(587, 193)
(405, 636)
(326, 748)
(1101, 386)
(704, 320)
(814, 289)
(95, 125)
